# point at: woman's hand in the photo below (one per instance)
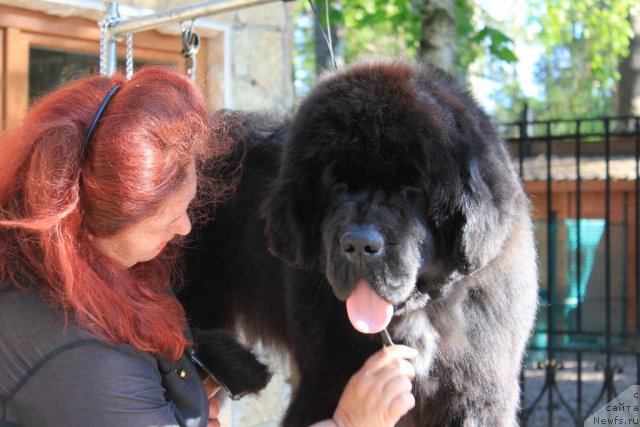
(213, 413)
(380, 392)
(211, 388)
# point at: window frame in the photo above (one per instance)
(20, 29)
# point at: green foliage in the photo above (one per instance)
(480, 40)
(583, 43)
(367, 27)
(381, 27)
(392, 27)
(499, 43)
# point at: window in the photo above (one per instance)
(49, 68)
(38, 52)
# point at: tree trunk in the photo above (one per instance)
(628, 96)
(439, 34)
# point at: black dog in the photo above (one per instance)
(388, 202)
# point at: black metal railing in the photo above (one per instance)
(584, 180)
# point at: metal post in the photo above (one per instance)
(181, 14)
(111, 58)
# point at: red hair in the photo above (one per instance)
(52, 201)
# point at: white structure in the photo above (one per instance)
(249, 63)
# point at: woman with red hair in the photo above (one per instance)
(95, 186)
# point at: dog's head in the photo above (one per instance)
(393, 176)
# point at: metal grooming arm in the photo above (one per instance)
(116, 27)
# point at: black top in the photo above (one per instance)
(55, 374)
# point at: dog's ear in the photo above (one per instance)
(282, 226)
(487, 222)
(484, 209)
(292, 213)
(474, 193)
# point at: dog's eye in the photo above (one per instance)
(339, 187)
(412, 191)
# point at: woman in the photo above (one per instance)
(95, 186)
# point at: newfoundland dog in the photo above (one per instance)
(388, 203)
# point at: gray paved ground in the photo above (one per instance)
(567, 388)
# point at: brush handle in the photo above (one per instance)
(386, 338)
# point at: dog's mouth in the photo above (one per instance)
(368, 312)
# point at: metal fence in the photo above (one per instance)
(584, 182)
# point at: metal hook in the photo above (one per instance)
(190, 47)
(183, 28)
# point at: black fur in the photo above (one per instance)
(398, 152)
(232, 364)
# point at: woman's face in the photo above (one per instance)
(144, 240)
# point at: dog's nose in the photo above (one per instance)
(361, 243)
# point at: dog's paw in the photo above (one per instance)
(231, 363)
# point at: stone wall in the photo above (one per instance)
(262, 56)
(259, 41)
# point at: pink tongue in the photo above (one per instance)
(368, 312)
